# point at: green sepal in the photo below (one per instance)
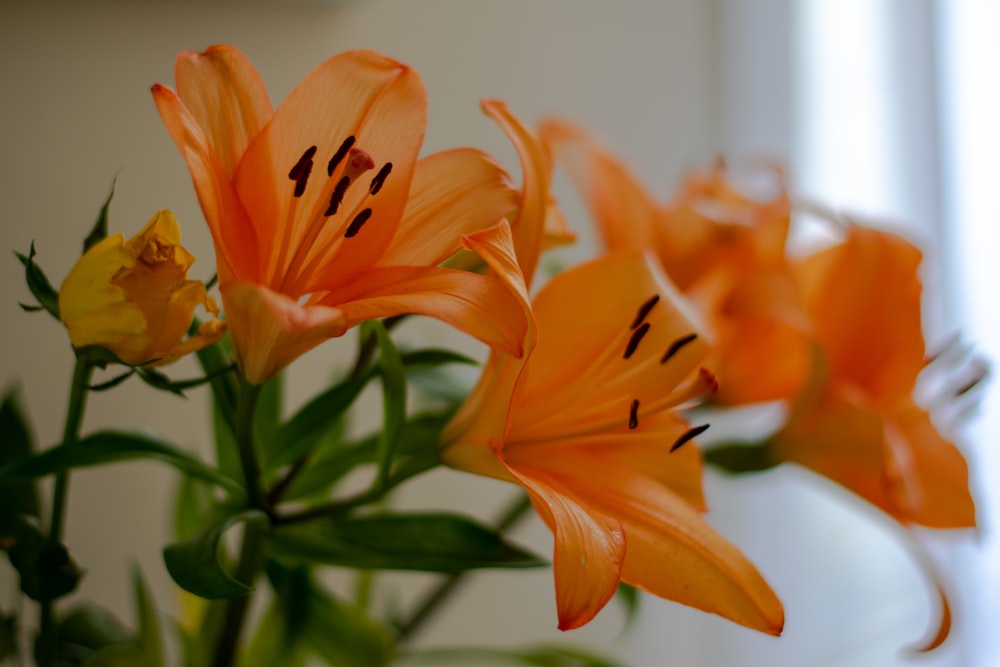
(548, 655)
(86, 629)
(738, 458)
(106, 447)
(38, 283)
(425, 542)
(46, 570)
(99, 231)
(17, 496)
(195, 563)
(158, 380)
(113, 382)
(393, 399)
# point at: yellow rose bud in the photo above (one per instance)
(133, 297)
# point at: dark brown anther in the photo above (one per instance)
(676, 346)
(379, 179)
(300, 172)
(687, 436)
(338, 196)
(359, 220)
(339, 155)
(633, 342)
(644, 310)
(633, 414)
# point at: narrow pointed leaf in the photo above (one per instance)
(106, 447)
(17, 497)
(343, 635)
(99, 231)
(418, 541)
(195, 564)
(39, 284)
(393, 399)
(629, 597)
(150, 641)
(736, 458)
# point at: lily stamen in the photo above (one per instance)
(633, 414)
(687, 436)
(644, 309)
(634, 340)
(300, 172)
(338, 196)
(379, 180)
(676, 346)
(357, 223)
(338, 157)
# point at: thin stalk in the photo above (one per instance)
(253, 551)
(82, 371)
(432, 602)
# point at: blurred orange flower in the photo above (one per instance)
(857, 422)
(725, 251)
(133, 297)
(586, 423)
(305, 249)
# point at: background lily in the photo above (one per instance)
(321, 214)
(133, 297)
(725, 251)
(857, 421)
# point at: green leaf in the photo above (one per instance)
(427, 542)
(47, 572)
(267, 418)
(196, 563)
(87, 628)
(630, 597)
(432, 357)
(119, 656)
(300, 434)
(540, 656)
(150, 641)
(106, 447)
(39, 284)
(8, 637)
(344, 635)
(277, 639)
(17, 497)
(420, 433)
(99, 231)
(393, 399)
(737, 458)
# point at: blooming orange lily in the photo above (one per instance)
(321, 214)
(857, 422)
(585, 422)
(725, 251)
(133, 297)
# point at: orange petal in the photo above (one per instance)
(592, 359)
(234, 236)
(454, 192)
(360, 94)
(625, 213)
(864, 297)
(589, 549)
(227, 98)
(536, 166)
(271, 330)
(481, 306)
(673, 553)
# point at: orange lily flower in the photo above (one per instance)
(585, 422)
(307, 243)
(857, 422)
(725, 251)
(133, 297)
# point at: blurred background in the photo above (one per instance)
(884, 108)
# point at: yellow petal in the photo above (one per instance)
(270, 330)
(454, 192)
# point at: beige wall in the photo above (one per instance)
(76, 110)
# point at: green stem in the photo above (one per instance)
(253, 552)
(432, 602)
(410, 468)
(82, 371)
